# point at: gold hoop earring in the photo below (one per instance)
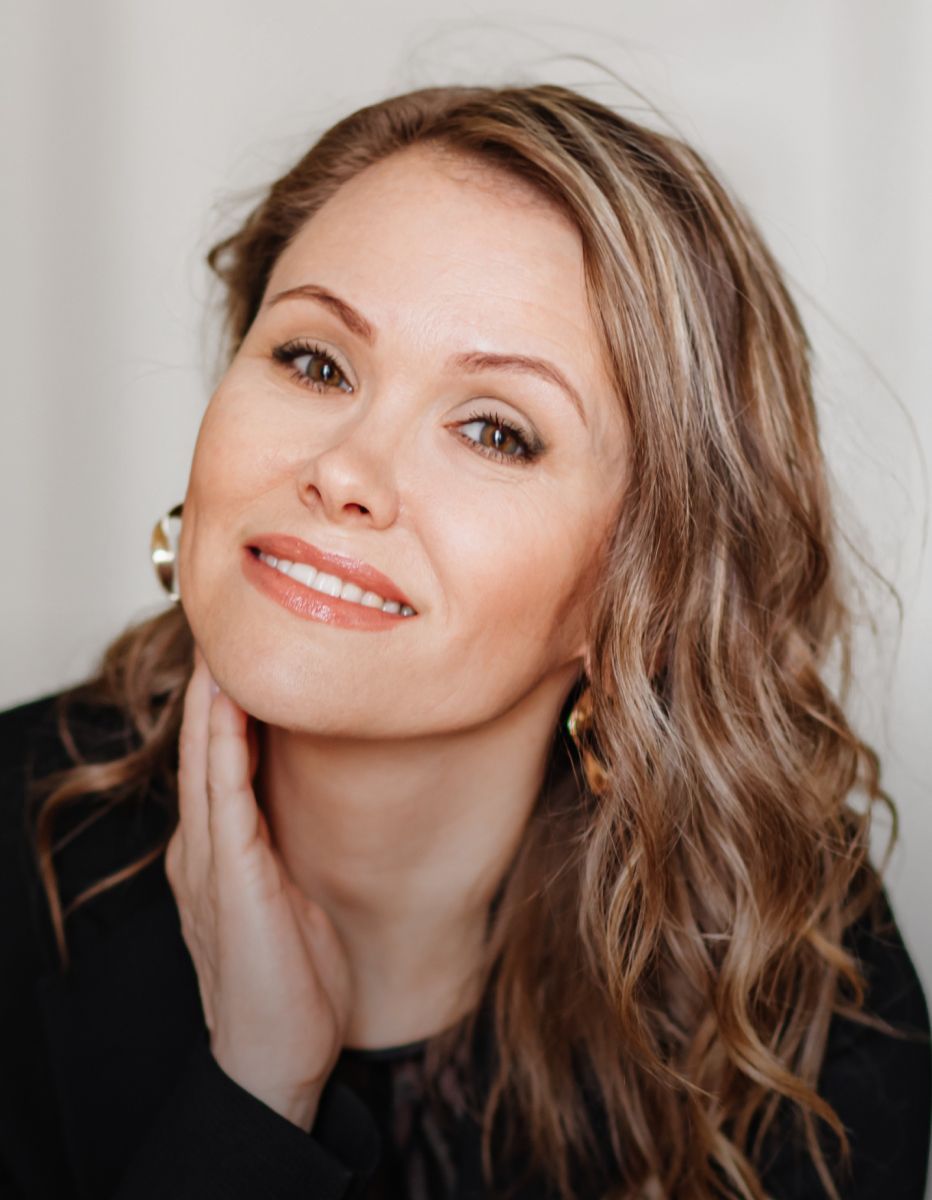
(578, 723)
(164, 550)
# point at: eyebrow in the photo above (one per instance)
(470, 360)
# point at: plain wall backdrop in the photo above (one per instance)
(127, 125)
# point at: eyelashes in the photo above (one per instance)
(291, 351)
(329, 373)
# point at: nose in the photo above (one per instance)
(351, 478)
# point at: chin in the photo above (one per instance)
(273, 685)
(263, 675)
(304, 681)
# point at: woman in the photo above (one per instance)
(478, 822)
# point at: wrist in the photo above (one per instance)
(298, 1107)
(300, 1110)
(297, 1104)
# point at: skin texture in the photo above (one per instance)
(396, 770)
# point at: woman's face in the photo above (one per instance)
(367, 426)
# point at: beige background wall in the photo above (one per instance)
(126, 123)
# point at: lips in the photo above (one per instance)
(352, 570)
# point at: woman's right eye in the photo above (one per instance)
(312, 366)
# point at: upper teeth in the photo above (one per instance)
(333, 585)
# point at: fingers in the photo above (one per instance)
(192, 759)
(233, 815)
(220, 822)
(252, 736)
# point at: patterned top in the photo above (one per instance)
(417, 1136)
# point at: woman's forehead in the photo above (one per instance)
(409, 240)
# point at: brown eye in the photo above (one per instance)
(312, 366)
(498, 439)
(319, 368)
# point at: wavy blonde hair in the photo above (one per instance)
(696, 905)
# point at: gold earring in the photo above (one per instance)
(164, 550)
(581, 715)
(577, 723)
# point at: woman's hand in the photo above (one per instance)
(274, 978)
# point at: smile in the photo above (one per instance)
(333, 585)
(328, 598)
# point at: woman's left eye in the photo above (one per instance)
(524, 449)
(313, 367)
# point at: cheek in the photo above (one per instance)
(227, 473)
(509, 569)
(241, 454)
(232, 452)
(527, 566)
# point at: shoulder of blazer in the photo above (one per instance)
(85, 1051)
(31, 750)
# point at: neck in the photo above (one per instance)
(404, 844)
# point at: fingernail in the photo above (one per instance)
(214, 685)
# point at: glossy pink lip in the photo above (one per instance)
(351, 570)
(312, 605)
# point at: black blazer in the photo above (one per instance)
(108, 1087)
